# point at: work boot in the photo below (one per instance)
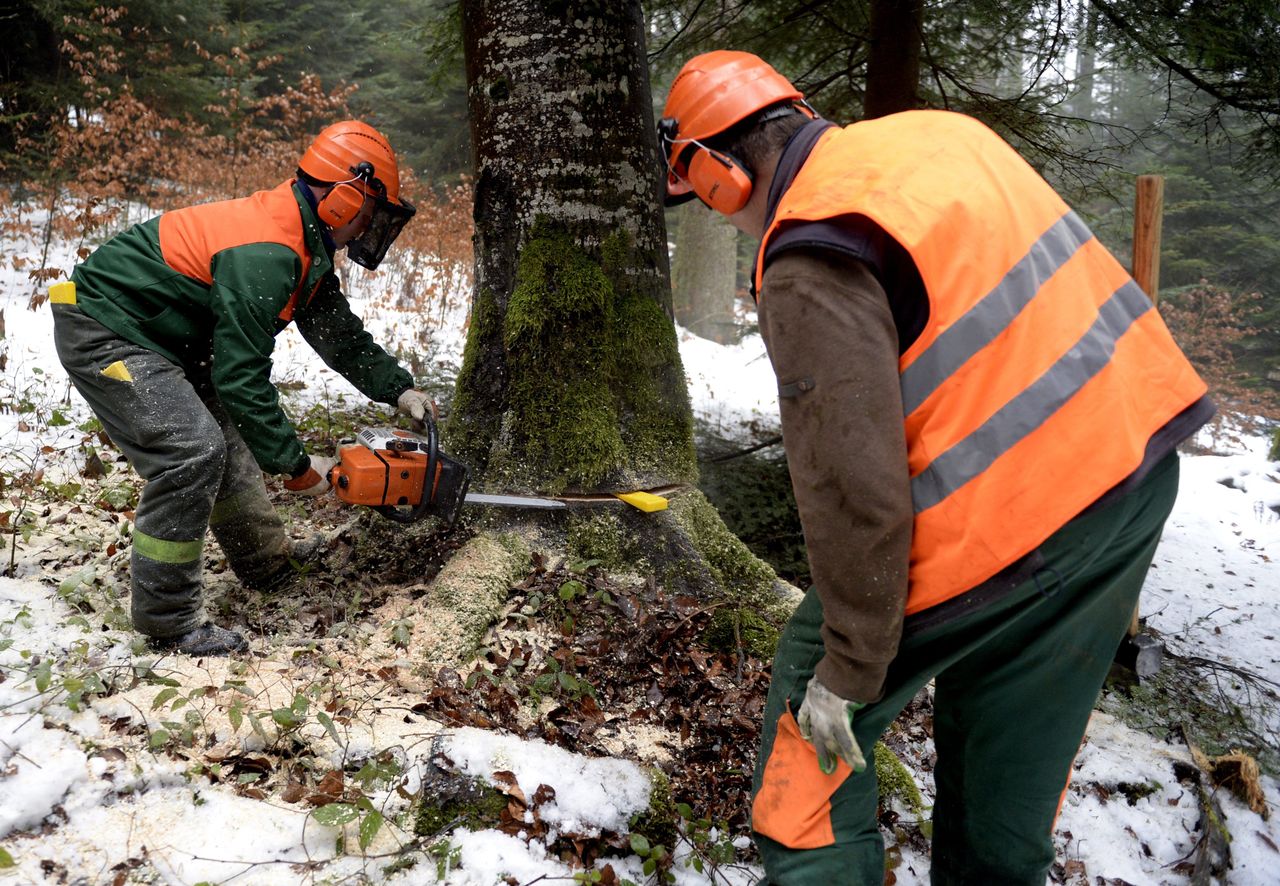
(309, 549)
(280, 571)
(208, 639)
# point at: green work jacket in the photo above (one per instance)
(211, 286)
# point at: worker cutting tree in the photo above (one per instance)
(980, 411)
(167, 331)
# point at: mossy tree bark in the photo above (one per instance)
(571, 379)
(704, 273)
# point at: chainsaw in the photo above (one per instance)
(405, 477)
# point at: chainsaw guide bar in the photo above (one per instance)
(405, 477)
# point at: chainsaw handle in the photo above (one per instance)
(423, 507)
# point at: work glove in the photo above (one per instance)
(315, 479)
(826, 721)
(416, 405)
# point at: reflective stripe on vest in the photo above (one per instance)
(1043, 370)
(995, 312)
(1035, 405)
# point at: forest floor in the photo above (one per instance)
(334, 715)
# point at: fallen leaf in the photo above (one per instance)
(505, 781)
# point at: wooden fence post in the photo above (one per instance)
(1148, 214)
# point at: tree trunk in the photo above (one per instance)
(893, 61)
(704, 276)
(571, 378)
(1086, 61)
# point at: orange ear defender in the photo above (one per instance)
(345, 199)
(341, 204)
(719, 180)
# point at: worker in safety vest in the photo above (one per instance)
(167, 331)
(980, 411)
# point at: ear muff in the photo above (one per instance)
(341, 204)
(719, 180)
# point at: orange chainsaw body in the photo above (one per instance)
(367, 477)
(386, 469)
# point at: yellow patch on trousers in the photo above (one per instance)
(118, 371)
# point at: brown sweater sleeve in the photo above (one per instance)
(826, 323)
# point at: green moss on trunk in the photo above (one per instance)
(733, 627)
(473, 419)
(690, 551)
(595, 393)
(895, 780)
(749, 581)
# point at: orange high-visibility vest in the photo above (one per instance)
(1043, 370)
(190, 237)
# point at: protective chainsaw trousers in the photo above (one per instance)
(199, 474)
(1015, 683)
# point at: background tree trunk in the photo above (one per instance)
(1086, 61)
(893, 60)
(704, 273)
(571, 378)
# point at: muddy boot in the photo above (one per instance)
(208, 639)
(278, 573)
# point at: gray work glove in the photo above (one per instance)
(826, 721)
(315, 479)
(416, 405)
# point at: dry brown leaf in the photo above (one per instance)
(505, 781)
(329, 790)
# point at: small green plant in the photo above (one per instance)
(362, 809)
(447, 856)
(73, 681)
(402, 632)
(561, 680)
(712, 845)
(657, 859)
(572, 590)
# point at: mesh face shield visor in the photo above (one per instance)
(388, 219)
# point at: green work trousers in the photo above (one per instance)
(199, 473)
(1015, 683)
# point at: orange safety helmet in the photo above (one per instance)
(358, 162)
(713, 92)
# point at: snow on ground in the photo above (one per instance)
(69, 809)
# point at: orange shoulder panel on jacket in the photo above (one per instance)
(191, 237)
